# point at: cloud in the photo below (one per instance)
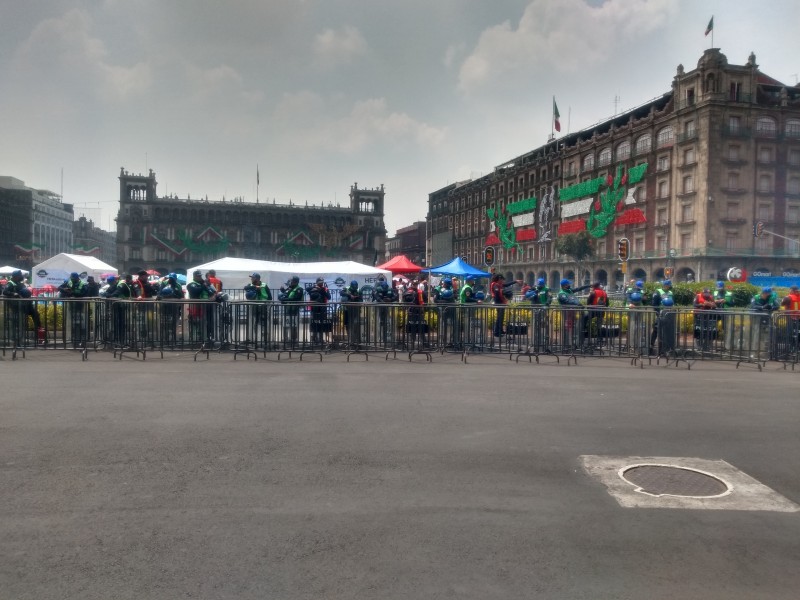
(310, 123)
(564, 35)
(63, 52)
(333, 48)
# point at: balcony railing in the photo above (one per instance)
(735, 131)
(687, 136)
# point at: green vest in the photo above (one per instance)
(462, 296)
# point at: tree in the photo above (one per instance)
(577, 246)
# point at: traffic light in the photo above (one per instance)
(758, 229)
(622, 249)
(488, 256)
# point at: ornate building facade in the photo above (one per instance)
(174, 234)
(684, 178)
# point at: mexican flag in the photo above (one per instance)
(556, 116)
(710, 26)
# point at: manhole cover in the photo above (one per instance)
(667, 480)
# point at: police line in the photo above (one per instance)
(262, 327)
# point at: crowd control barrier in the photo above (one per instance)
(520, 330)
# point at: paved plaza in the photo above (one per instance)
(222, 478)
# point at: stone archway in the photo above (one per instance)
(686, 275)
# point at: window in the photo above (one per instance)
(792, 128)
(765, 154)
(733, 152)
(601, 248)
(571, 168)
(688, 184)
(794, 157)
(588, 162)
(763, 244)
(664, 137)
(663, 189)
(640, 194)
(735, 93)
(793, 214)
(732, 210)
(661, 216)
(688, 156)
(624, 150)
(734, 124)
(687, 213)
(733, 181)
(690, 96)
(638, 245)
(766, 126)
(661, 244)
(793, 186)
(731, 241)
(764, 212)
(644, 143)
(689, 129)
(765, 183)
(662, 164)
(604, 158)
(686, 241)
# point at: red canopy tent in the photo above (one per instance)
(400, 264)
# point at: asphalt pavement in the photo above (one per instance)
(222, 478)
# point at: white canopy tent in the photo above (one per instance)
(235, 273)
(8, 270)
(55, 270)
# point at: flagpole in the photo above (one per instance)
(258, 178)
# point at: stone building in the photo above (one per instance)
(90, 240)
(684, 178)
(34, 224)
(410, 242)
(173, 234)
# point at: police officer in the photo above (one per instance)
(763, 305)
(257, 290)
(75, 287)
(118, 290)
(319, 295)
(593, 320)
(446, 298)
(383, 293)
(664, 324)
(571, 334)
(352, 295)
(291, 296)
(723, 299)
(16, 288)
(200, 290)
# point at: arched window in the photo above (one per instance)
(766, 126)
(644, 143)
(665, 137)
(604, 158)
(793, 128)
(588, 162)
(623, 150)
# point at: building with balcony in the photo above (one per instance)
(90, 240)
(172, 234)
(34, 224)
(684, 177)
(410, 242)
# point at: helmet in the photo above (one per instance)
(667, 282)
(766, 290)
(530, 294)
(74, 275)
(540, 281)
(380, 278)
(640, 284)
(320, 280)
(111, 279)
(668, 301)
(295, 280)
(197, 272)
(250, 294)
(166, 291)
(172, 276)
(16, 273)
(255, 276)
(354, 284)
(480, 295)
(720, 284)
(25, 292)
(565, 282)
(470, 278)
(636, 297)
(447, 280)
(447, 294)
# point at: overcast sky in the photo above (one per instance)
(320, 94)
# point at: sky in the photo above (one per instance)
(318, 95)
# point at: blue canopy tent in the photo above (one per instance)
(457, 268)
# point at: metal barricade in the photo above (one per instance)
(785, 339)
